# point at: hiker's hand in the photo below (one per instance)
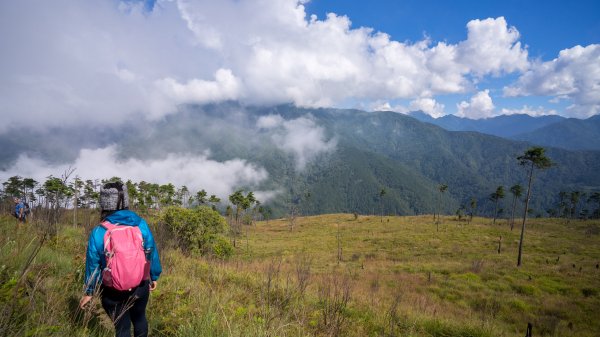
(153, 285)
(84, 300)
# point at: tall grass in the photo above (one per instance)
(41, 278)
(400, 277)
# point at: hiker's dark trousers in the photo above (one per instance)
(127, 307)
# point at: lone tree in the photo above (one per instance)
(442, 188)
(473, 208)
(381, 194)
(201, 197)
(214, 200)
(533, 158)
(574, 198)
(517, 191)
(495, 197)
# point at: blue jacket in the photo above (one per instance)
(95, 260)
(18, 209)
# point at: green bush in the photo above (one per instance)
(222, 248)
(198, 231)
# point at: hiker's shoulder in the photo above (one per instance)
(98, 230)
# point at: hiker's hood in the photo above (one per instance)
(124, 217)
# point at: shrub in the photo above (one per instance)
(198, 231)
(525, 289)
(587, 292)
(221, 247)
(519, 305)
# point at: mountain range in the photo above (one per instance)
(357, 155)
(373, 151)
(551, 130)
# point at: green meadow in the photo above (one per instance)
(329, 275)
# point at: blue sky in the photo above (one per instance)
(545, 27)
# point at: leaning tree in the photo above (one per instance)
(533, 158)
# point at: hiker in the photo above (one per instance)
(123, 261)
(19, 212)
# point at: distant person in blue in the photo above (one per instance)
(124, 307)
(20, 213)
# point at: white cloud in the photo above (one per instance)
(492, 47)
(479, 106)
(105, 62)
(386, 106)
(194, 171)
(269, 121)
(428, 106)
(527, 110)
(573, 75)
(301, 137)
(93, 64)
(225, 87)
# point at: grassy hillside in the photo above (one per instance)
(396, 276)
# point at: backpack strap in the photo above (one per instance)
(107, 225)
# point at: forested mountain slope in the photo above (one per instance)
(344, 160)
(470, 163)
(506, 126)
(574, 134)
(552, 131)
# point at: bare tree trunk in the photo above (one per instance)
(339, 246)
(237, 223)
(500, 245)
(512, 215)
(247, 240)
(495, 212)
(525, 215)
(75, 208)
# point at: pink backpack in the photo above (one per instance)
(126, 263)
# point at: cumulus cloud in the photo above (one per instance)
(301, 137)
(492, 47)
(225, 87)
(425, 104)
(428, 106)
(574, 75)
(532, 111)
(479, 106)
(386, 106)
(108, 62)
(194, 171)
